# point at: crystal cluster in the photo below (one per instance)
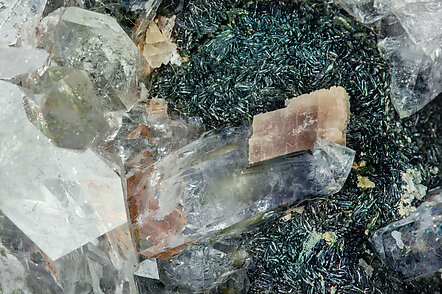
(106, 190)
(208, 186)
(81, 39)
(412, 246)
(411, 42)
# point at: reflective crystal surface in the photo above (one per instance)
(412, 246)
(208, 186)
(103, 265)
(94, 42)
(59, 198)
(17, 17)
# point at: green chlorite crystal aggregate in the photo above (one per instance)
(246, 58)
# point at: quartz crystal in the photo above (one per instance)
(208, 186)
(320, 115)
(60, 198)
(66, 100)
(81, 39)
(17, 17)
(412, 246)
(16, 61)
(412, 44)
(104, 265)
(143, 135)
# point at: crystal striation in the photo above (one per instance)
(320, 115)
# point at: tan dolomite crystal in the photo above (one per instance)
(320, 115)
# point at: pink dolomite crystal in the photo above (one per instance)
(320, 115)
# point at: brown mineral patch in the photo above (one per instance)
(320, 115)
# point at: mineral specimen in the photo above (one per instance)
(206, 186)
(143, 135)
(66, 100)
(103, 265)
(158, 47)
(81, 39)
(320, 115)
(61, 199)
(411, 42)
(16, 17)
(412, 246)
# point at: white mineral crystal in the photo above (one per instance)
(15, 18)
(15, 61)
(60, 198)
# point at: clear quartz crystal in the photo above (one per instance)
(413, 49)
(16, 17)
(412, 246)
(71, 114)
(82, 39)
(60, 198)
(208, 186)
(104, 265)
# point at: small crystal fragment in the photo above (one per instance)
(82, 39)
(15, 61)
(158, 47)
(412, 246)
(320, 115)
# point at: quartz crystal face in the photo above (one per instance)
(412, 246)
(60, 198)
(81, 39)
(25, 60)
(211, 187)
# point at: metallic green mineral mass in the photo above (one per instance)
(245, 59)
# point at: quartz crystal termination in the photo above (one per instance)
(412, 246)
(60, 198)
(210, 187)
(81, 39)
(320, 115)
